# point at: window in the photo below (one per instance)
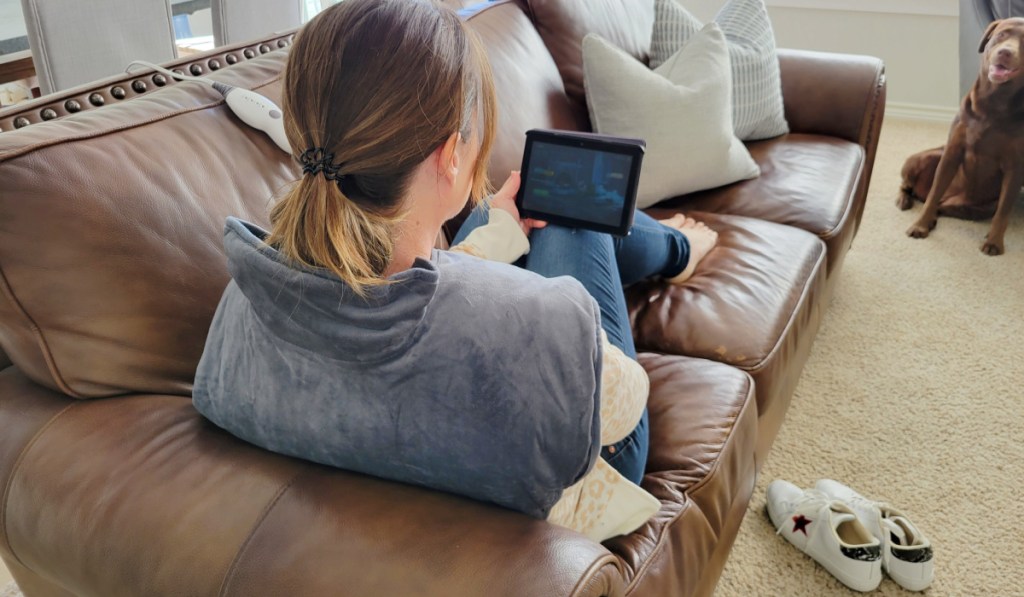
(312, 7)
(12, 28)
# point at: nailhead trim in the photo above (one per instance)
(93, 99)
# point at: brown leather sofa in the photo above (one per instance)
(111, 266)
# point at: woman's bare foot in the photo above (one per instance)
(702, 240)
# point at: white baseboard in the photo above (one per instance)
(920, 112)
(938, 8)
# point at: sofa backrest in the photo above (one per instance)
(111, 258)
(529, 89)
(563, 24)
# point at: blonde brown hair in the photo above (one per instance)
(380, 84)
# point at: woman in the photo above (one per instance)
(346, 338)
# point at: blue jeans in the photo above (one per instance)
(604, 264)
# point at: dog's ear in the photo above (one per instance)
(988, 35)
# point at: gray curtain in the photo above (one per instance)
(975, 15)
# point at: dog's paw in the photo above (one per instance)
(904, 201)
(993, 248)
(920, 229)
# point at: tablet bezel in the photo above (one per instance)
(634, 148)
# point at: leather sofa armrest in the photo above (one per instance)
(429, 544)
(840, 95)
(82, 481)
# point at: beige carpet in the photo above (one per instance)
(912, 394)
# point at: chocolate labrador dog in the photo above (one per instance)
(980, 171)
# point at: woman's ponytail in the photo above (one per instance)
(318, 226)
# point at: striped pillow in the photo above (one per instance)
(757, 111)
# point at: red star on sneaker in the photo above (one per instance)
(800, 524)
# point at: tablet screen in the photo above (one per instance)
(581, 180)
(562, 179)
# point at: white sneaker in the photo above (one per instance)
(906, 552)
(828, 531)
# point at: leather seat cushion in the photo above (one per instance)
(753, 303)
(703, 421)
(807, 181)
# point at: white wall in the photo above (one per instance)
(921, 51)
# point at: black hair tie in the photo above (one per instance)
(316, 160)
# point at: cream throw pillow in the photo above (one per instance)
(757, 108)
(683, 109)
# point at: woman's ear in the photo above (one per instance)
(449, 161)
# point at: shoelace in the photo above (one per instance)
(895, 532)
(863, 502)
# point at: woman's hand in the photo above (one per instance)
(505, 200)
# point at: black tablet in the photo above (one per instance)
(582, 180)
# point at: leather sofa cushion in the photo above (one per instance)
(753, 304)
(172, 505)
(159, 506)
(529, 89)
(807, 181)
(703, 429)
(563, 24)
(740, 302)
(127, 228)
(526, 81)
